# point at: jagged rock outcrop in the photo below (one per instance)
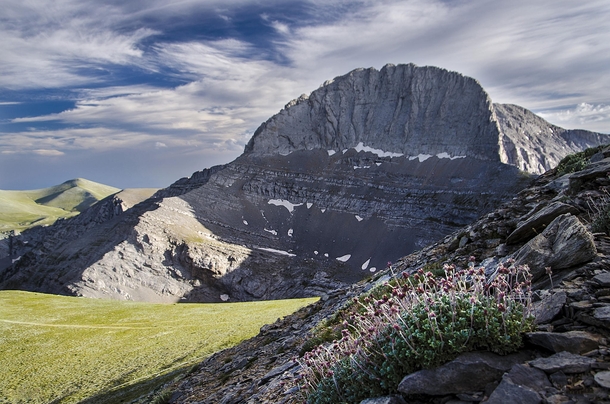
(367, 168)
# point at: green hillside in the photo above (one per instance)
(65, 349)
(20, 210)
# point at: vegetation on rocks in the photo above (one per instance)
(422, 322)
(577, 161)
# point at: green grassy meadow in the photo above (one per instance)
(65, 349)
(20, 210)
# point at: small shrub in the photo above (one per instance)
(577, 161)
(422, 322)
(600, 217)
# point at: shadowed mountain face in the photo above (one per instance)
(364, 170)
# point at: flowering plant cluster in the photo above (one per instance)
(421, 321)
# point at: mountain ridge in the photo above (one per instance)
(328, 190)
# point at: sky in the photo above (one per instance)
(141, 93)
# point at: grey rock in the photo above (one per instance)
(602, 314)
(576, 342)
(565, 362)
(594, 170)
(384, 400)
(468, 373)
(563, 244)
(603, 379)
(508, 392)
(536, 223)
(532, 378)
(277, 371)
(559, 379)
(603, 279)
(549, 307)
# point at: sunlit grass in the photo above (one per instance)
(65, 349)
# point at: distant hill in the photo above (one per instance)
(20, 210)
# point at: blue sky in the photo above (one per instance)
(141, 93)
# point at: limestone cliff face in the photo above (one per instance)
(403, 109)
(534, 145)
(364, 170)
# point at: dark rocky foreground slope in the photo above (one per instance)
(367, 168)
(567, 360)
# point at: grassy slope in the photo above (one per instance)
(66, 348)
(20, 210)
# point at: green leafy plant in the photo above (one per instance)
(577, 161)
(422, 322)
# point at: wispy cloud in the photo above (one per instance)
(551, 56)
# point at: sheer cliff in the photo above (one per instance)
(364, 170)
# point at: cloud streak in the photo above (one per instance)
(139, 83)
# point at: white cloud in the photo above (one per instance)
(548, 55)
(595, 117)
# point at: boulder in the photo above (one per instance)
(537, 222)
(565, 362)
(576, 342)
(549, 307)
(563, 244)
(470, 372)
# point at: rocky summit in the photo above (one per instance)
(367, 168)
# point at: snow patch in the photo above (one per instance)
(361, 147)
(309, 205)
(357, 167)
(273, 250)
(224, 298)
(281, 202)
(445, 155)
(331, 152)
(245, 222)
(323, 210)
(372, 269)
(326, 255)
(290, 232)
(16, 259)
(344, 258)
(378, 164)
(271, 231)
(366, 264)
(358, 218)
(421, 157)
(316, 253)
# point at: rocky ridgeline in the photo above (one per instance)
(566, 360)
(367, 168)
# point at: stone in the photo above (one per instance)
(277, 371)
(508, 392)
(384, 400)
(536, 223)
(603, 279)
(470, 372)
(603, 379)
(563, 244)
(563, 361)
(549, 307)
(602, 314)
(576, 342)
(593, 171)
(524, 375)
